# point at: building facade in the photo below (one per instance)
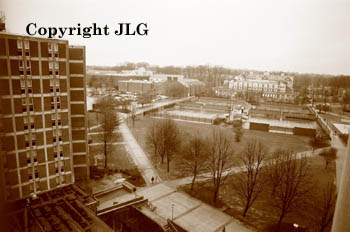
(136, 86)
(273, 87)
(42, 113)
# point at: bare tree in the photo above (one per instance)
(249, 182)
(194, 156)
(293, 184)
(165, 139)
(169, 136)
(145, 98)
(220, 158)
(110, 121)
(329, 156)
(274, 170)
(324, 209)
(153, 139)
(133, 113)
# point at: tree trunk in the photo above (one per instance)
(216, 190)
(167, 163)
(105, 145)
(280, 220)
(193, 181)
(246, 209)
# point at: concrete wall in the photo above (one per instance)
(304, 131)
(259, 126)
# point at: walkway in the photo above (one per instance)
(206, 176)
(336, 143)
(189, 213)
(137, 155)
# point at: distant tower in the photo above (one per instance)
(2, 21)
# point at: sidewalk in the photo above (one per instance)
(137, 155)
(206, 176)
(187, 212)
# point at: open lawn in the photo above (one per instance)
(271, 140)
(262, 215)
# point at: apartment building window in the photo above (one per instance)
(27, 139)
(53, 122)
(26, 45)
(36, 173)
(29, 160)
(33, 139)
(19, 44)
(29, 85)
(27, 53)
(55, 47)
(19, 53)
(61, 154)
(52, 85)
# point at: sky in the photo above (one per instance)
(307, 36)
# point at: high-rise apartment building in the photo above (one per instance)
(42, 115)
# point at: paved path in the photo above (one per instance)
(137, 155)
(206, 176)
(101, 132)
(189, 213)
(336, 143)
(94, 127)
(102, 143)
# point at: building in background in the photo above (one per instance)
(136, 86)
(271, 87)
(42, 113)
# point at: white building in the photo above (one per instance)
(269, 86)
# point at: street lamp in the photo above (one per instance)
(172, 211)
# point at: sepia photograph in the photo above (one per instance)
(175, 116)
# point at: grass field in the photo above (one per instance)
(262, 215)
(272, 141)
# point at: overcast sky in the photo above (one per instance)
(310, 36)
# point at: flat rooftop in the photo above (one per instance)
(188, 213)
(62, 209)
